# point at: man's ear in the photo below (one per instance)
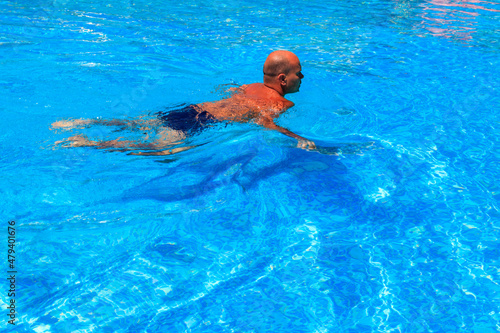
(282, 79)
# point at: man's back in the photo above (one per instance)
(250, 102)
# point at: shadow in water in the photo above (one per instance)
(246, 166)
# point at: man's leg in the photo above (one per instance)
(160, 146)
(137, 123)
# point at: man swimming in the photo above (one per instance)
(261, 103)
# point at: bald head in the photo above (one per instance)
(278, 62)
(282, 72)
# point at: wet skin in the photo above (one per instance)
(260, 103)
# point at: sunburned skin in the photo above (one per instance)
(250, 102)
(260, 103)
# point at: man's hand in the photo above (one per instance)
(306, 144)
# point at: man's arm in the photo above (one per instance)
(302, 142)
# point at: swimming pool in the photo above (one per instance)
(399, 232)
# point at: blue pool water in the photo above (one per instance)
(399, 232)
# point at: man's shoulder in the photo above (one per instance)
(288, 104)
(252, 87)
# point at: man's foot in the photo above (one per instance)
(70, 124)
